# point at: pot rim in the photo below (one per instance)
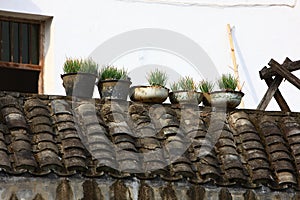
(75, 73)
(234, 92)
(114, 80)
(178, 91)
(149, 86)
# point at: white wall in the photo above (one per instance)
(261, 33)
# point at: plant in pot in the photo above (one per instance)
(113, 83)
(228, 96)
(79, 77)
(155, 92)
(206, 87)
(185, 92)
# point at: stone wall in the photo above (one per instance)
(108, 188)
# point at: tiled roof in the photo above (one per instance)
(54, 136)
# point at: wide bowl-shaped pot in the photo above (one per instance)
(148, 94)
(185, 97)
(114, 89)
(223, 99)
(79, 84)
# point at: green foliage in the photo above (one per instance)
(185, 83)
(72, 65)
(206, 86)
(175, 86)
(111, 72)
(80, 65)
(157, 78)
(89, 66)
(228, 82)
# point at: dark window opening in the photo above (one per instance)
(19, 80)
(22, 37)
(19, 42)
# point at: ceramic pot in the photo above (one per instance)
(79, 84)
(148, 94)
(226, 99)
(185, 97)
(114, 89)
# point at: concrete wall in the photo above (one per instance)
(260, 33)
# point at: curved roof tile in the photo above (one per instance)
(63, 136)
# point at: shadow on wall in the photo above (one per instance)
(244, 70)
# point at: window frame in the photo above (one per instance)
(32, 19)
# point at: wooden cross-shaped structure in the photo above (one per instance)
(279, 72)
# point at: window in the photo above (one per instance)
(19, 42)
(21, 52)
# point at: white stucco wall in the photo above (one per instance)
(261, 33)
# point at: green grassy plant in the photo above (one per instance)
(157, 78)
(175, 86)
(187, 83)
(227, 82)
(206, 86)
(110, 72)
(89, 66)
(74, 65)
(184, 83)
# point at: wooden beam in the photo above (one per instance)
(269, 72)
(278, 97)
(41, 58)
(235, 65)
(270, 93)
(276, 69)
(20, 66)
(285, 73)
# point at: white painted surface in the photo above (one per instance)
(261, 33)
(224, 3)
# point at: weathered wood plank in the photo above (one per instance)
(270, 93)
(285, 73)
(23, 66)
(269, 72)
(278, 97)
(273, 90)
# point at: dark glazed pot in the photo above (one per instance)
(226, 99)
(185, 97)
(79, 84)
(114, 89)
